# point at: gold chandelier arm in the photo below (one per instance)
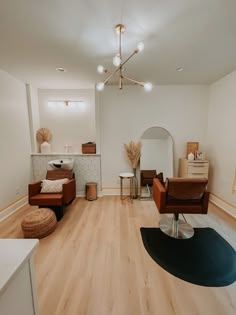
(108, 78)
(134, 81)
(120, 67)
(108, 72)
(123, 63)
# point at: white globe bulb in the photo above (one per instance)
(140, 46)
(100, 69)
(148, 86)
(116, 61)
(100, 86)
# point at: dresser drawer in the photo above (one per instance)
(204, 175)
(197, 168)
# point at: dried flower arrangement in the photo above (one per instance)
(133, 151)
(43, 134)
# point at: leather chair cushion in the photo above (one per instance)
(46, 200)
(52, 186)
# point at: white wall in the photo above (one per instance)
(15, 166)
(126, 114)
(221, 140)
(170, 170)
(187, 112)
(69, 125)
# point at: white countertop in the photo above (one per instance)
(13, 254)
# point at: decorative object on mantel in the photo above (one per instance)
(192, 147)
(89, 148)
(199, 155)
(133, 151)
(67, 148)
(190, 156)
(43, 136)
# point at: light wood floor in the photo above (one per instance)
(95, 263)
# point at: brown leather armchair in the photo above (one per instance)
(178, 196)
(55, 201)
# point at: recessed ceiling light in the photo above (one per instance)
(61, 69)
(179, 69)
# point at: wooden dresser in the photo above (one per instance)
(194, 169)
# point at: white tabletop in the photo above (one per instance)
(126, 175)
(13, 253)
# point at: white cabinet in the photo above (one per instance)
(17, 288)
(194, 169)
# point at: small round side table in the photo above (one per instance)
(130, 177)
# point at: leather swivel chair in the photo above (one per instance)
(178, 196)
(55, 201)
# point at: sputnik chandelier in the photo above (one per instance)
(119, 64)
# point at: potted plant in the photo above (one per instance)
(43, 137)
(133, 152)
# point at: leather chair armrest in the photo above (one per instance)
(160, 177)
(34, 188)
(159, 194)
(69, 191)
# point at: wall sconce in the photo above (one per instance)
(56, 104)
(64, 103)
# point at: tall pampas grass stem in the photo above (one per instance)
(133, 151)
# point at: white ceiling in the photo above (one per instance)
(36, 36)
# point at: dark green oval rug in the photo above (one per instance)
(206, 259)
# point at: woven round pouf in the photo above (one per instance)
(39, 223)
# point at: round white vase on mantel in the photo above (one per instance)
(45, 147)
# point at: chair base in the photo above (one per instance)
(176, 228)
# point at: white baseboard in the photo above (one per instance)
(13, 207)
(111, 191)
(224, 205)
(82, 194)
(106, 192)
